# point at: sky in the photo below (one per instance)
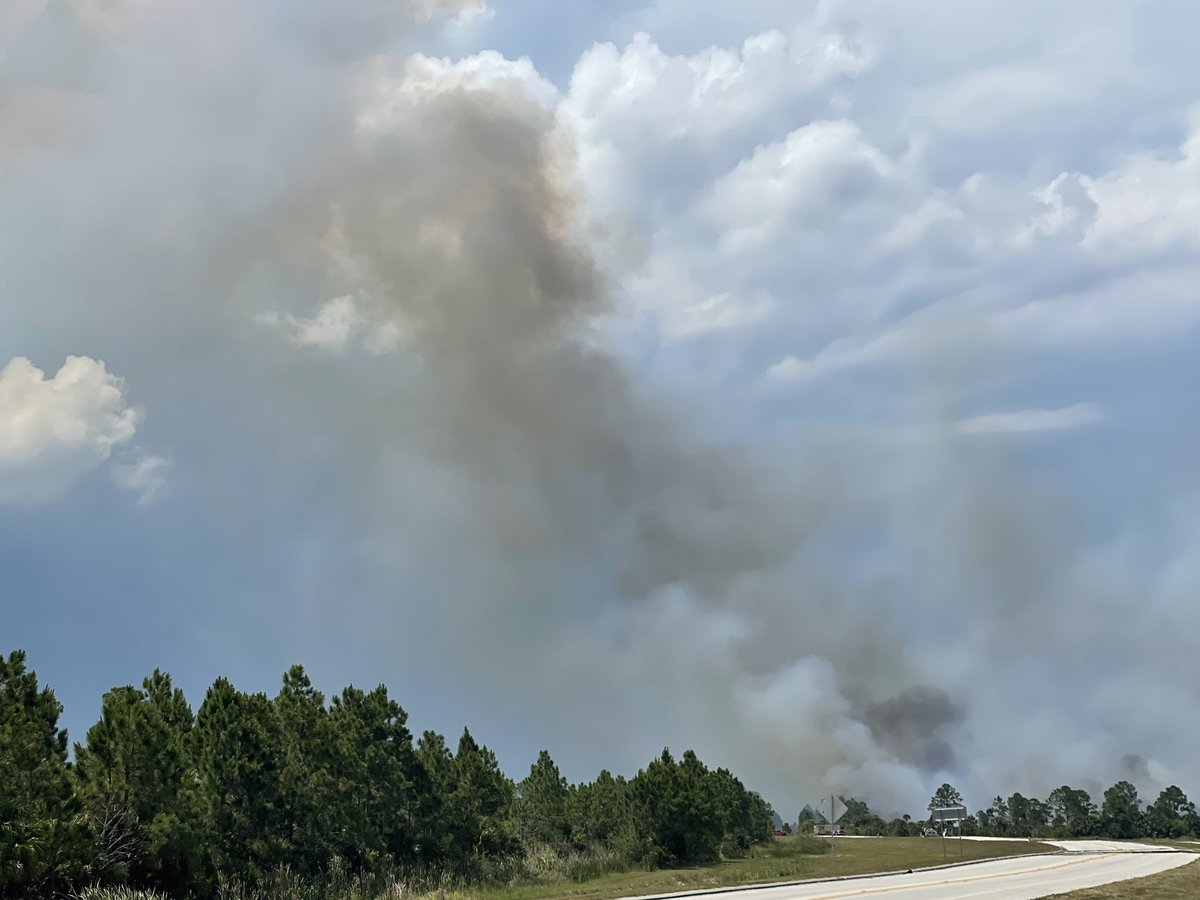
(806, 383)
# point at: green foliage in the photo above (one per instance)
(1027, 817)
(1121, 815)
(292, 797)
(601, 813)
(946, 795)
(542, 800)
(858, 818)
(372, 809)
(674, 813)
(902, 827)
(1072, 812)
(239, 758)
(807, 819)
(43, 839)
(482, 800)
(132, 778)
(1069, 812)
(1172, 815)
(745, 818)
(306, 774)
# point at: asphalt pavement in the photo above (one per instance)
(1083, 864)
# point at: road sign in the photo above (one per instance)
(948, 814)
(838, 810)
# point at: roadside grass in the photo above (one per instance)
(784, 859)
(1182, 883)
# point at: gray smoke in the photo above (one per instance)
(914, 725)
(372, 268)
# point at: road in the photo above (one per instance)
(1084, 864)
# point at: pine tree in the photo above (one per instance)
(675, 812)
(483, 797)
(373, 805)
(132, 774)
(238, 760)
(543, 803)
(434, 784)
(43, 841)
(600, 814)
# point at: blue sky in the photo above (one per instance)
(806, 383)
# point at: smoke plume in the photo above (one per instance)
(334, 267)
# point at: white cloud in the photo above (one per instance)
(641, 89)
(985, 99)
(1148, 202)
(472, 14)
(330, 327)
(1029, 420)
(1153, 199)
(335, 326)
(1145, 306)
(816, 176)
(144, 474)
(53, 430)
(842, 354)
(647, 121)
(764, 212)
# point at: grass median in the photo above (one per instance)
(1182, 883)
(784, 859)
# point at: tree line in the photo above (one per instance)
(160, 797)
(1066, 813)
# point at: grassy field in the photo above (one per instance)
(785, 859)
(1182, 883)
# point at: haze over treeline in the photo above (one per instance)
(782, 380)
(253, 793)
(1066, 812)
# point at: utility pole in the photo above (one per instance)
(832, 837)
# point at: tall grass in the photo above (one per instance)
(539, 864)
(544, 864)
(119, 893)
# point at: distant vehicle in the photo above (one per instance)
(840, 832)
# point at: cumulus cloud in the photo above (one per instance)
(54, 430)
(1152, 200)
(816, 174)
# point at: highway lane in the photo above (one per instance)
(1025, 878)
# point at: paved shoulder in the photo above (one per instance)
(1026, 878)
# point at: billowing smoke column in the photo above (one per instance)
(304, 236)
